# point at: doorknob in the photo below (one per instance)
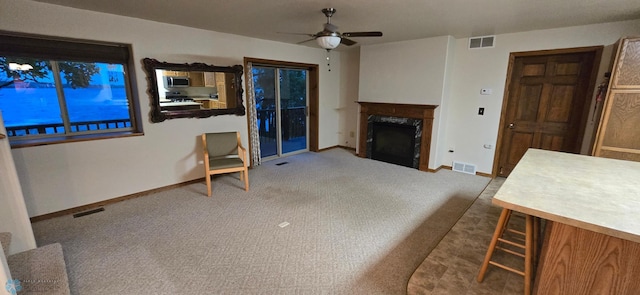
(511, 126)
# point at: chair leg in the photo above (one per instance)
(246, 179)
(502, 221)
(530, 248)
(536, 241)
(208, 178)
(528, 256)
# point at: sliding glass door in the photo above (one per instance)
(281, 108)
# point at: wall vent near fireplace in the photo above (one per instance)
(464, 167)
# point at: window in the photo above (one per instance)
(60, 90)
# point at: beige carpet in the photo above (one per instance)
(355, 226)
(41, 270)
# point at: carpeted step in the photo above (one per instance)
(41, 270)
(5, 240)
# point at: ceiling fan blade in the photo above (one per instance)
(305, 34)
(362, 34)
(347, 42)
(305, 41)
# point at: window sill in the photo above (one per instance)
(21, 143)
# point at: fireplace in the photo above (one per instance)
(394, 140)
(396, 133)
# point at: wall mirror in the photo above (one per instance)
(194, 90)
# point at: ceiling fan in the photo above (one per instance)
(329, 38)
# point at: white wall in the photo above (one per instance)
(438, 144)
(63, 176)
(487, 68)
(404, 72)
(348, 106)
(443, 71)
(11, 220)
(409, 72)
(13, 211)
(5, 274)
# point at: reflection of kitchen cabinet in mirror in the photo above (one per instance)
(193, 90)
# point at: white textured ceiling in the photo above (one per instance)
(397, 19)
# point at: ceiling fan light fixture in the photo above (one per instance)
(328, 42)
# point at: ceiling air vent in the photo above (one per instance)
(464, 167)
(481, 42)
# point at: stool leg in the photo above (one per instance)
(536, 241)
(528, 256)
(502, 222)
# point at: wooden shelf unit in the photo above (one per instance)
(618, 135)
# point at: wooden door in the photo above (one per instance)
(546, 103)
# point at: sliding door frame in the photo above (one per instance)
(313, 93)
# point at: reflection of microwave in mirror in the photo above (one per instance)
(176, 82)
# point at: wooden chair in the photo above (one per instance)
(224, 153)
(526, 241)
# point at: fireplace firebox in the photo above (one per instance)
(395, 143)
(409, 115)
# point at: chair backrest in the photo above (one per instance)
(222, 144)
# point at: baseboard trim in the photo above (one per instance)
(484, 174)
(438, 169)
(337, 147)
(327, 148)
(348, 148)
(110, 201)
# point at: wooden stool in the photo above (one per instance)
(530, 246)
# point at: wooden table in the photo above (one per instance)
(592, 205)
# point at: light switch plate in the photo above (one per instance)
(486, 91)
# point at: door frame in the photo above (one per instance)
(278, 113)
(597, 50)
(313, 94)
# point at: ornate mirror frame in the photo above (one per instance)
(158, 114)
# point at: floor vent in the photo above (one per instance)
(464, 167)
(88, 212)
(482, 42)
(282, 163)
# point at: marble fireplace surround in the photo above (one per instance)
(413, 111)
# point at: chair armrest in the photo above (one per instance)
(242, 152)
(206, 152)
